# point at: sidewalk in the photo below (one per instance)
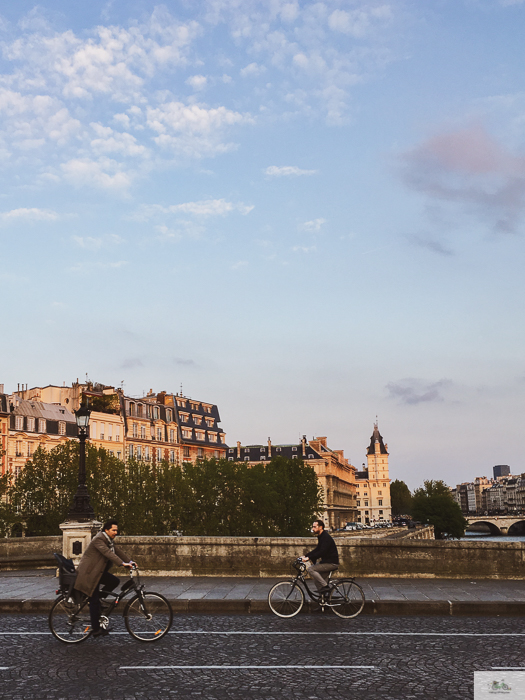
(34, 591)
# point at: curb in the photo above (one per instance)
(209, 606)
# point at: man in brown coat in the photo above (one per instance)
(94, 570)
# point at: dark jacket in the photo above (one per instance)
(93, 564)
(326, 550)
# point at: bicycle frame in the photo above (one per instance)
(313, 595)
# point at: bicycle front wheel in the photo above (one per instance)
(286, 599)
(69, 622)
(347, 599)
(148, 617)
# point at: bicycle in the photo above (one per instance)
(147, 615)
(345, 597)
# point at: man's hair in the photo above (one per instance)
(109, 524)
(320, 523)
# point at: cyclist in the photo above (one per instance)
(94, 570)
(326, 551)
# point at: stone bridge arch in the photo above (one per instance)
(517, 528)
(494, 529)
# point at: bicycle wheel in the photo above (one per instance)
(148, 617)
(347, 599)
(69, 622)
(286, 599)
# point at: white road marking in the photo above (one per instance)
(262, 668)
(508, 668)
(314, 634)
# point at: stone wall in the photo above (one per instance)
(18, 553)
(272, 556)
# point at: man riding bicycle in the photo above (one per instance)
(326, 551)
(94, 570)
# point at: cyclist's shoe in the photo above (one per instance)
(101, 632)
(325, 590)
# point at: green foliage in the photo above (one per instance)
(211, 497)
(400, 498)
(434, 504)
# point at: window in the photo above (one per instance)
(132, 409)
(135, 430)
(61, 427)
(30, 449)
(384, 486)
(278, 449)
(379, 493)
(365, 493)
(310, 456)
(263, 457)
(212, 437)
(159, 454)
(246, 459)
(119, 453)
(31, 424)
(210, 422)
(143, 432)
(230, 459)
(200, 435)
(263, 449)
(155, 412)
(139, 451)
(366, 503)
(231, 450)
(358, 503)
(294, 449)
(110, 431)
(19, 422)
(207, 409)
(102, 431)
(140, 410)
(200, 452)
(172, 456)
(148, 411)
(246, 449)
(159, 434)
(117, 434)
(172, 435)
(216, 454)
(366, 512)
(146, 454)
(380, 502)
(168, 415)
(18, 448)
(380, 512)
(131, 451)
(197, 420)
(294, 456)
(186, 451)
(194, 406)
(186, 434)
(180, 402)
(184, 417)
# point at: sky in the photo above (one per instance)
(308, 213)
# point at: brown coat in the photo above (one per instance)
(94, 562)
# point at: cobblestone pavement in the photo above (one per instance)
(405, 658)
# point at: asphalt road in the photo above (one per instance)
(311, 657)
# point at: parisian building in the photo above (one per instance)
(335, 474)
(373, 483)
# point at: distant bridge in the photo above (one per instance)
(500, 524)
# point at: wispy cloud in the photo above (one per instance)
(304, 249)
(472, 171)
(415, 391)
(432, 244)
(31, 214)
(202, 208)
(287, 170)
(312, 226)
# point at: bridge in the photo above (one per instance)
(500, 524)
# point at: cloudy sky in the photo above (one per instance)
(308, 213)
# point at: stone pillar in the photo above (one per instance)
(76, 538)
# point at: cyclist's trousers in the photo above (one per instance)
(316, 572)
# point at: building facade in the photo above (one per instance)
(373, 483)
(335, 474)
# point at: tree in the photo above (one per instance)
(400, 498)
(434, 504)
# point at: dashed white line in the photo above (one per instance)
(229, 668)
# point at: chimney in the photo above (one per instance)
(1, 388)
(303, 441)
(238, 449)
(269, 448)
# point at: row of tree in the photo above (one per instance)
(211, 497)
(432, 504)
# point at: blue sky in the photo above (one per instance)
(309, 213)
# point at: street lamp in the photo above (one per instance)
(82, 510)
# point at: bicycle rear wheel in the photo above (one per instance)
(148, 617)
(286, 599)
(347, 599)
(69, 622)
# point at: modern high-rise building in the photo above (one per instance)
(501, 470)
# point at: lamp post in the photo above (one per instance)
(81, 509)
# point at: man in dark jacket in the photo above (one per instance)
(94, 570)
(326, 551)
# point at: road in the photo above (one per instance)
(241, 657)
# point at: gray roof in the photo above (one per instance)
(37, 409)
